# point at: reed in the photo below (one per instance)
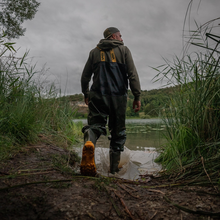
(192, 116)
(29, 109)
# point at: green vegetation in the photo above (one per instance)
(30, 111)
(192, 117)
(152, 102)
(73, 98)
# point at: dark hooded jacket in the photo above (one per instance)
(112, 70)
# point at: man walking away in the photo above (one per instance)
(112, 67)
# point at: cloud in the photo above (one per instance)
(63, 32)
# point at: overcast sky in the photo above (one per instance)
(63, 32)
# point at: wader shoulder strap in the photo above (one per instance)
(102, 54)
(112, 55)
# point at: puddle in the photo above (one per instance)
(132, 163)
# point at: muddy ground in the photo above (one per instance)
(40, 183)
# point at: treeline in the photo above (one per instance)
(152, 102)
(73, 98)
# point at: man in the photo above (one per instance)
(112, 65)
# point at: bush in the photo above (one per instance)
(145, 117)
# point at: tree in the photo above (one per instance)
(13, 13)
(149, 109)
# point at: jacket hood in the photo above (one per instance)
(107, 44)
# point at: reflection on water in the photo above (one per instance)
(131, 121)
(144, 133)
(138, 141)
(141, 141)
(143, 137)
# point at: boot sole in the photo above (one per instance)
(87, 167)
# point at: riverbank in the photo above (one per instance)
(41, 182)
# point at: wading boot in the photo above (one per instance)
(87, 166)
(114, 160)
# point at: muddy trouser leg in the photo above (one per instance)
(92, 131)
(91, 134)
(97, 118)
(117, 130)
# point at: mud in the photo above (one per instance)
(41, 182)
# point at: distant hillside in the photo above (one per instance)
(73, 98)
(151, 102)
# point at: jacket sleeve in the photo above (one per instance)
(132, 75)
(86, 77)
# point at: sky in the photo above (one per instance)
(62, 34)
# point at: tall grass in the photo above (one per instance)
(29, 110)
(193, 115)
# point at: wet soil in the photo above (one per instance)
(40, 182)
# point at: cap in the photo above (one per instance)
(109, 31)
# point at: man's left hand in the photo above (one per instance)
(136, 106)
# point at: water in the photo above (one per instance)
(142, 134)
(144, 137)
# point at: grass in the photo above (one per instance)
(62, 162)
(192, 117)
(30, 110)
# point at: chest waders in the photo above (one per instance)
(107, 100)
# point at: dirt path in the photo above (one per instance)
(40, 183)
